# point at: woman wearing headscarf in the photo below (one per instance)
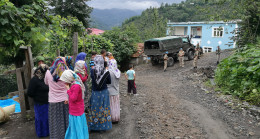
(38, 90)
(78, 128)
(58, 99)
(80, 70)
(81, 56)
(69, 62)
(99, 116)
(113, 88)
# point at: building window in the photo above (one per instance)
(207, 49)
(171, 31)
(218, 32)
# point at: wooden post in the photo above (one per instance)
(21, 92)
(91, 44)
(58, 52)
(75, 46)
(28, 73)
(84, 47)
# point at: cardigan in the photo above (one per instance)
(94, 84)
(76, 103)
(38, 90)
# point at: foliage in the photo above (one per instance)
(150, 24)
(74, 8)
(124, 43)
(8, 82)
(239, 74)
(96, 43)
(23, 25)
(60, 35)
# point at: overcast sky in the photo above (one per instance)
(128, 4)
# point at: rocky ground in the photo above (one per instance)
(174, 104)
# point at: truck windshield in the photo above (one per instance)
(151, 45)
(185, 40)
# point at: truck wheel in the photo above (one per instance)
(170, 62)
(154, 62)
(191, 55)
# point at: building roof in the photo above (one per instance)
(95, 31)
(163, 38)
(204, 22)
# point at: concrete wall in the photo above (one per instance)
(208, 40)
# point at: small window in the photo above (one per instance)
(218, 32)
(207, 49)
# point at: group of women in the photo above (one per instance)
(61, 97)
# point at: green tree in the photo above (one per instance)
(60, 34)
(22, 25)
(97, 43)
(74, 8)
(125, 43)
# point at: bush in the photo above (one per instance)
(239, 74)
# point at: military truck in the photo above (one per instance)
(155, 49)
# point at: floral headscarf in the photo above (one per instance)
(100, 72)
(81, 56)
(112, 67)
(79, 67)
(69, 62)
(71, 77)
(40, 71)
(58, 67)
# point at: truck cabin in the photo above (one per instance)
(151, 45)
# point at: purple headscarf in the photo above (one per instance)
(81, 56)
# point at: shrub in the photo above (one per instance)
(239, 74)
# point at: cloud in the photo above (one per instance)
(128, 4)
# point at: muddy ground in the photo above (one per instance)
(170, 105)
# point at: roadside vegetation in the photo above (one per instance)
(239, 74)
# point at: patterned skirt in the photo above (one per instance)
(58, 120)
(115, 108)
(99, 117)
(78, 128)
(41, 120)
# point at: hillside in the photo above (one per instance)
(108, 18)
(190, 10)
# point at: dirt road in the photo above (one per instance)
(170, 105)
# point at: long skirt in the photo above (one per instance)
(58, 120)
(41, 120)
(78, 128)
(99, 117)
(86, 98)
(115, 108)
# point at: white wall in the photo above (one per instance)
(179, 30)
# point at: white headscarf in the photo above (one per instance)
(71, 77)
(112, 67)
(79, 67)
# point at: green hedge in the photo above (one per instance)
(239, 74)
(7, 84)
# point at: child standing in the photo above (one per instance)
(130, 76)
(78, 128)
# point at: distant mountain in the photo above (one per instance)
(108, 18)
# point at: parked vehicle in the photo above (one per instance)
(156, 48)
